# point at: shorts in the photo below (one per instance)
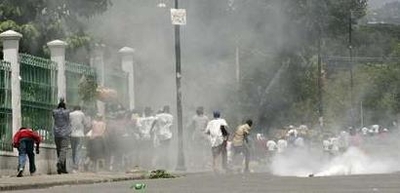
(220, 149)
(240, 149)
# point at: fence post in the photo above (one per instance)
(127, 66)
(10, 50)
(57, 52)
(97, 61)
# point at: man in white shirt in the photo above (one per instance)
(198, 126)
(364, 131)
(218, 138)
(162, 136)
(375, 128)
(282, 145)
(77, 118)
(198, 140)
(145, 144)
(146, 123)
(334, 146)
(271, 146)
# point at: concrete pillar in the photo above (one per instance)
(57, 52)
(97, 61)
(127, 66)
(10, 49)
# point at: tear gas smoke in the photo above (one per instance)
(214, 30)
(352, 162)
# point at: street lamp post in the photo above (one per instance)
(181, 159)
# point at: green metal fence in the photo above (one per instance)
(76, 74)
(5, 107)
(38, 94)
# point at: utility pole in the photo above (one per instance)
(320, 104)
(351, 69)
(181, 158)
(320, 23)
(237, 62)
(362, 114)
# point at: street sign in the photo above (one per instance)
(178, 16)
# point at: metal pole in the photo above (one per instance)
(362, 114)
(320, 105)
(237, 61)
(351, 70)
(181, 159)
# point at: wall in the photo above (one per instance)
(45, 162)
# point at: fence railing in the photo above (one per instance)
(5, 107)
(38, 81)
(76, 74)
(38, 94)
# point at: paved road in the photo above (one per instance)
(250, 183)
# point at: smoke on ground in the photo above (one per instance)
(354, 161)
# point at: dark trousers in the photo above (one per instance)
(62, 148)
(26, 146)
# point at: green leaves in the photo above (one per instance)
(8, 24)
(160, 174)
(76, 41)
(41, 21)
(87, 88)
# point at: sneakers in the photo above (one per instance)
(20, 172)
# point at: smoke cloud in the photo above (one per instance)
(377, 155)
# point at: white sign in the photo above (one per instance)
(178, 16)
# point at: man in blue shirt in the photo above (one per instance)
(62, 132)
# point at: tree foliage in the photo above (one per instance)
(307, 23)
(41, 21)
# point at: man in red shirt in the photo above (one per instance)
(24, 140)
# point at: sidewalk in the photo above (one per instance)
(45, 181)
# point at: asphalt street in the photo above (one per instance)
(249, 183)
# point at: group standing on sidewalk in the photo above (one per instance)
(110, 142)
(127, 140)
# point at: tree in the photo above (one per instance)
(304, 25)
(41, 21)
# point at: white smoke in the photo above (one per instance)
(355, 161)
(295, 162)
(352, 162)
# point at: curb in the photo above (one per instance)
(68, 182)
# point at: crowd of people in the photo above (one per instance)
(224, 142)
(128, 140)
(297, 139)
(123, 140)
